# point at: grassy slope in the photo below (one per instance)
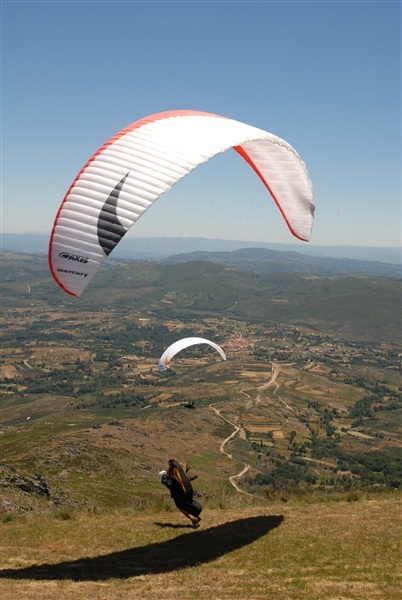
(294, 550)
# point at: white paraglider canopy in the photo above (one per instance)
(181, 345)
(144, 160)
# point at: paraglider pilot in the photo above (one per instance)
(175, 478)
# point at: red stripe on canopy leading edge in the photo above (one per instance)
(246, 157)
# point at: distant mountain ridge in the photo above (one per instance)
(366, 307)
(263, 260)
(157, 248)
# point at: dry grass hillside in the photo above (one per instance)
(332, 550)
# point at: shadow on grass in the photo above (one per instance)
(186, 550)
(173, 525)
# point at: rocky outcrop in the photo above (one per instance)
(22, 492)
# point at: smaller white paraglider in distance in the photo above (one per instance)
(176, 347)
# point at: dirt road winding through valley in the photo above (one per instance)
(238, 429)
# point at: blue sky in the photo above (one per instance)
(325, 76)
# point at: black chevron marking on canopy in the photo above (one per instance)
(110, 230)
